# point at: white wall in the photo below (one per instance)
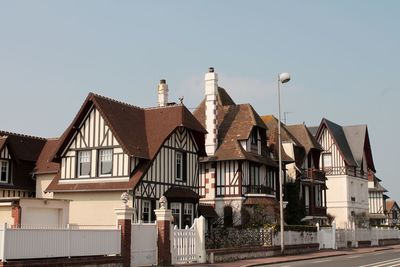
(5, 215)
(94, 208)
(42, 182)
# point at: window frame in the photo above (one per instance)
(149, 211)
(323, 160)
(179, 215)
(191, 214)
(78, 163)
(7, 176)
(179, 166)
(99, 162)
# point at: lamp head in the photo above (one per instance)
(284, 77)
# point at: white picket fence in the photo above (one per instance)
(332, 238)
(25, 243)
(188, 245)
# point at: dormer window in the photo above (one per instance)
(4, 170)
(105, 162)
(84, 163)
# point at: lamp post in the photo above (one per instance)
(282, 78)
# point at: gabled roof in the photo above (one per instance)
(304, 136)
(140, 132)
(235, 123)
(391, 205)
(44, 164)
(272, 124)
(352, 142)
(22, 147)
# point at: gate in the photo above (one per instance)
(188, 245)
(144, 244)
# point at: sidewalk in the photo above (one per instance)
(281, 259)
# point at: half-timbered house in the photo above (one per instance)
(376, 200)
(393, 212)
(303, 171)
(346, 160)
(238, 171)
(112, 147)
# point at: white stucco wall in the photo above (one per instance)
(42, 182)
(339, 195)
(5, 215)
(93, 208)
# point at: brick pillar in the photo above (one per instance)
(16, 215)
(164, 218)
(124, 221)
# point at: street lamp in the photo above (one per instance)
(282, 78)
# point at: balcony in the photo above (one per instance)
(313, 175)
(315, 211)
(350, 171)
(259, 189)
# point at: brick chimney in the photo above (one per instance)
(162, 93)
(211, 90)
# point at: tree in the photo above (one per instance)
(295, 210)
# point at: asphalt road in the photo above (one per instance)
(385, 258)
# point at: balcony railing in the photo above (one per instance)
(314, 175)
(259, 189)
(351, 171)
(315, 211)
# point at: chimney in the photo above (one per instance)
(211, 90)
(162, 93)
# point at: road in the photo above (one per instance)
(385, 258)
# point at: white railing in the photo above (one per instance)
(188, 245)
(25, 243)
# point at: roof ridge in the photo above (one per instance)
(21, 135)
(115, 101)
(168, 106)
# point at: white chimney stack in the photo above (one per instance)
(162, 93)
(211, 90)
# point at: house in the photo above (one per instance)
(393, 212)
(377, 201)
(346, 161)
(300, 145)
(18, 205)
(113, 147)
(238, 172)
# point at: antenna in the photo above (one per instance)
(284, 115)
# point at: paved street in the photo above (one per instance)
(385, 258)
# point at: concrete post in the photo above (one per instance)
(164, 219)
(201, 239)
(124, 221)
(333, 238)
(318, 236)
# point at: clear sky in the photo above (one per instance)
(343, 57)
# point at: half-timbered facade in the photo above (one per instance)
(238, 171)
(393, 213)
(376, 201)
(113, 147)
(346, 160)
(18, 154)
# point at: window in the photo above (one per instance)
(105, 162)
(176, 213)
(84, 163)
(254, 137)
(394, 215)
(188, 214)
(146, 211)
(326, 160)
(180, 166)
(4, 170)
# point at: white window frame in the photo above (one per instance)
(179, 165)
(100, 161)
(7, 166)
(324, 157)
(79, 163)
(177, 206)
(146, 204)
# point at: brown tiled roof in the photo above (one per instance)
(272, 124)
(140, 132)
(207, 211)
(304, 136)
(44, 164)
(180, 192)
(24, 152)
(391, 204)
(235, 123)
(2, 142)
